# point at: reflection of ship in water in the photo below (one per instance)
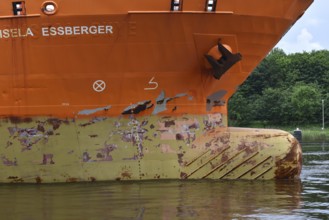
(112, 90)
(221, 200)
(164, 199)
(233, 199)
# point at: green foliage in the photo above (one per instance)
(283, 90)
(306, 100)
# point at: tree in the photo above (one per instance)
(283, 89)
(306, 100)
(273, 107)
(240, 111)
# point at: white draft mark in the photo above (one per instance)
(99, 86)
(153, 85)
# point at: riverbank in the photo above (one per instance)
(311, 134)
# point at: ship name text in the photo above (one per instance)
(53, 31)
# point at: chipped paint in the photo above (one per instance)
(162, 100)
(148, 147)
(8, 162)
(48, 159)
(55, 125)
(93, 111)
(216, 99)
(93, 121)
(137, 108)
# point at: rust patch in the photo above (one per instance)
(15, 179)
(180, 158)
(287, 173)
(92, 179)
(125, 175)
(56, 123)
(72, 180)
(41, 128)
(194, 126)
(291, 156)
(48, 159)
(167, 124)
(18, 120)
(38, 180)
(93, 121)
(264, 136)
(249, 148)
(183, 175)
(224, 157)
(290, 166)
(179, 137)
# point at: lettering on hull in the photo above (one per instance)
(7, 33)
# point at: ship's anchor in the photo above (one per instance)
(225, 62)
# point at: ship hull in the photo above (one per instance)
(114, 91)
(46, 150)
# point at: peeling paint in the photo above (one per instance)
(85, 157)
(162, 100)
(290, 166)
(56, 123)
(18, 120)
(8, 162)
(72, 180)
(181, 130)
(93, 121)
(137, 108)
(215, 99)
(48, 159)
(93, 111)
(38, 179)
(104, 153)
(26, 136)
(147, 147)
(126, 175)
(213, 121)
(15, 179)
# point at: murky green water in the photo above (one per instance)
(304, 199)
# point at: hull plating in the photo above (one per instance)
(122, 91)
(128, 148)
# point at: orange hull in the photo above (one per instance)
(49, 63)
(66, 65)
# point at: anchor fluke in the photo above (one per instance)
(225, 62)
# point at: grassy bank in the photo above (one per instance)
(310, 134)
(314, 135)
